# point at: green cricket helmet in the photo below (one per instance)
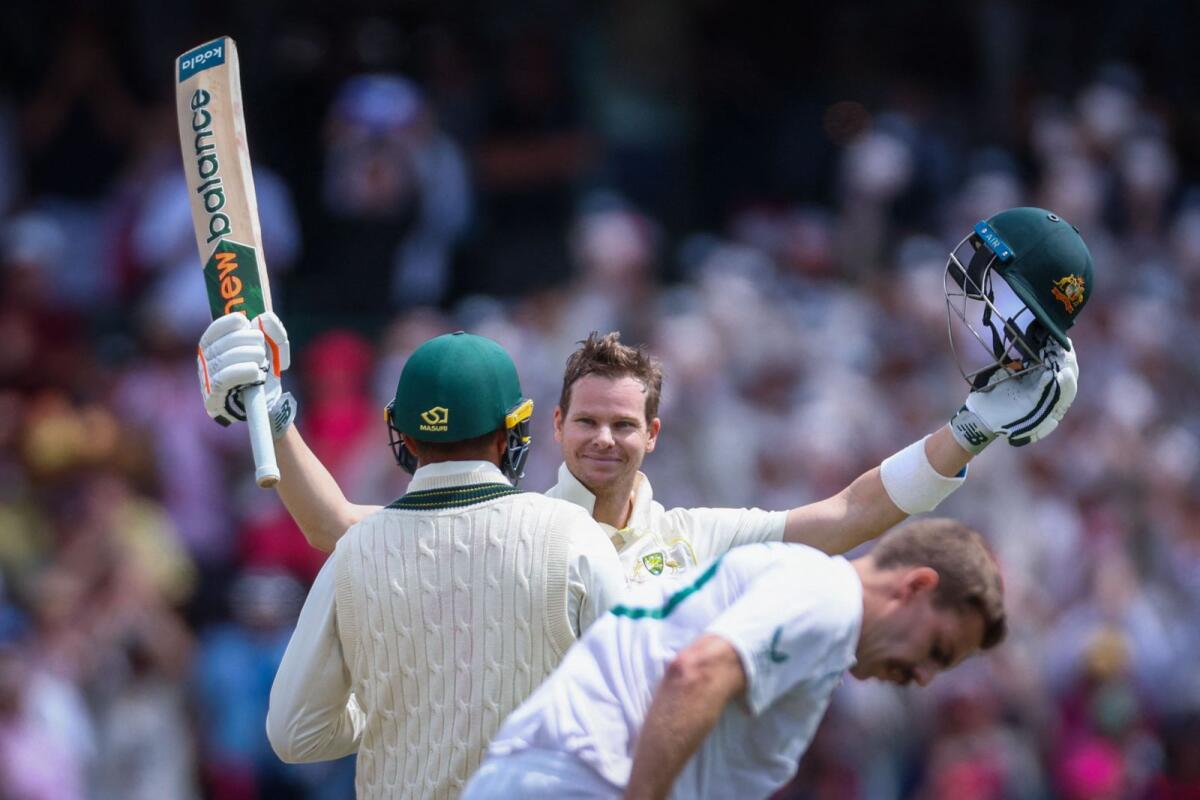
(1046, 273)
(457, 387)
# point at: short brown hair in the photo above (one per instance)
(968, 576)
(607, 357)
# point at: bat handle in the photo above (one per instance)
(262, 444)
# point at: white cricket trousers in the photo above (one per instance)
(533, 774)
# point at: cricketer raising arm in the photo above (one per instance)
(436, 616)
(606, 421)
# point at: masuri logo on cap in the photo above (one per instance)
(435, 419)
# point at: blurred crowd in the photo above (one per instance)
(777, 240)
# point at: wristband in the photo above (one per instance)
(971, 432)
(282, 414)
(911, 481)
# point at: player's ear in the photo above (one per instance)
(919, 580)
(558, 423)
(410, 445)
(652, 430)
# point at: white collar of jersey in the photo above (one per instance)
(446, 474)
(570, 488)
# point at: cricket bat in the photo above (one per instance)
(216, 162)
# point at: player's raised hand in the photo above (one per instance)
(234, 353)
(1022, 409)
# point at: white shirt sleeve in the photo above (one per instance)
(791, 626)
(312, 714)
(716, 531)
(595, 578)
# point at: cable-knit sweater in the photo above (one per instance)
(432, 620)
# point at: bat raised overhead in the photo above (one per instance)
(216, 163)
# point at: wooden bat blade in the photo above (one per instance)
(216, 164)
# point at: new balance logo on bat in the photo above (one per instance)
(208, 167)
(231, 284)
(231, 277)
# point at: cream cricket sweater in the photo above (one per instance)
(451, 609)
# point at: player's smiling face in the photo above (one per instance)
(917, 640)
(604, 432)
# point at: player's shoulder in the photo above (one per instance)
(798, 559)
(566, 514)
(378, 522)
(366, 527)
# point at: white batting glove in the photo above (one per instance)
(1023, 409)
(234, 353)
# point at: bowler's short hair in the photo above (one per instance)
(968, 576)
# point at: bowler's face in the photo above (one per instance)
(919, 641)
(604, 433)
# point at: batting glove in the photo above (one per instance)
(1023, 409)
(234, 353)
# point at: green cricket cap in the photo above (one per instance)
(1050, 267)
(455, 387)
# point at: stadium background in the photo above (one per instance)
(764, 195)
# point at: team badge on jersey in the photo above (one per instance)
(655, 562)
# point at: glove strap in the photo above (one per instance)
(971, 432)
(282, 414)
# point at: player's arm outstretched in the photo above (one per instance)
(1021, 409)
(234, 353)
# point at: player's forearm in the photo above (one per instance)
(689, 700)
(838, 524)
(946, 455)
(311, 495)
(865, 508)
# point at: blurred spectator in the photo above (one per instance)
(396, 198)
(34, 763)
(233, 670)
(152, 397)
(530, 164)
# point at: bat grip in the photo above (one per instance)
(262, 444)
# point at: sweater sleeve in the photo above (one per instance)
(595, 578)
(312, 714)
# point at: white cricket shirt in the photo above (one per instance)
(659, 542)
(792, 613)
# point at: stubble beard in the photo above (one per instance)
(614, 487)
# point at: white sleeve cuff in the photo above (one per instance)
(912, 482)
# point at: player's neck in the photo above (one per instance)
(615, 506)
(875, 594)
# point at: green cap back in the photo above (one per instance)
(1050, 269)
(454, 387)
